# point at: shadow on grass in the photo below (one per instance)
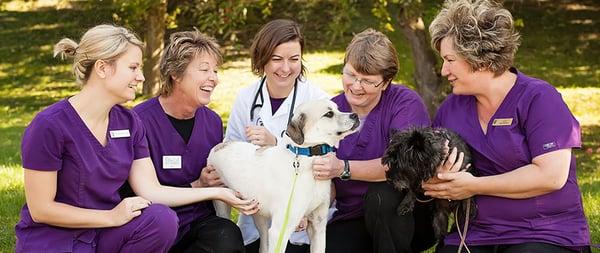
(560, 41)
(12, 200)
(10, 145)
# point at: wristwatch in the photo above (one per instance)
(346, 173)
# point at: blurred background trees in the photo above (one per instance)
(234, 22)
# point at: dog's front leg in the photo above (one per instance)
(262, 224)
(317, 224)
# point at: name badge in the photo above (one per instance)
(171, 162)
(502, 122)
(124, 133)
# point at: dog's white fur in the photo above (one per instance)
(266, 174)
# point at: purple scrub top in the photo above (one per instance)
(398, 108)
(164, 140)
(88, 174)
(531, 121)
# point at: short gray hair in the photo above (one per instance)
(102, 42)
(482, 32)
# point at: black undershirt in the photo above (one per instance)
(183, 126)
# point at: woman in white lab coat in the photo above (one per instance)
(262, 111)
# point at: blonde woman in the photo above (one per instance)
(78, 152)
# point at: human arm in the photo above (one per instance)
(238, 119)
(329, 166)
(144, 182)
(40, 193)
(547, 173)
(209, 177)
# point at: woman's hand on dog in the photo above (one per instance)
(451, 186)
(259, 135)
(303, 225)
(450, 182)
(128, 209)
(234, 199)
(209, 177)
(327, 167)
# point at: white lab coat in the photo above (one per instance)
(239, 118)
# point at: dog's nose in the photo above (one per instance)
(354, 116)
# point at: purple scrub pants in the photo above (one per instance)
(153, 231)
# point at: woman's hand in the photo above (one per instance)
(449, 181)
(128, 209)
(259, 135)
(234, 199)
(302, 225)
(450, 186)
(209, 177)
(327, 167)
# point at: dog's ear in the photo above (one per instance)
(295, 129)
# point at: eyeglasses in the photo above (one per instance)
(362, 82)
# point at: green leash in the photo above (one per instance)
(296, 165)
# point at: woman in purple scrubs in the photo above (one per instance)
(181, 131)
(78, 152)
(520, 132)
(366, 220)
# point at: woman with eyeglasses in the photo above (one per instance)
(366, 220)
(261, 111)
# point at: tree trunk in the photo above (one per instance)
(154, 46)
(427, 77)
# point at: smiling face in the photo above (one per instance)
(125, 74)
(284, 67)
(198, 81)
(362, 92)
(458, 71)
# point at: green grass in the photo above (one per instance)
(561, 44)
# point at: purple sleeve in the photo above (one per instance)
(550, 125)
(42, 146)
(410, 112)
(140, 143)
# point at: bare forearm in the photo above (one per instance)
(176, 196)
(525, 182)
(369, 170)
(68, 216)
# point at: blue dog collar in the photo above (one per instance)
(320, 149)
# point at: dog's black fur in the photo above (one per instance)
(412, 157)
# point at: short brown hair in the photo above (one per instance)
(270, 36)
(182, 49)
(482, 32)
(372, 53)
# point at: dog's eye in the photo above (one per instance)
(329, 114)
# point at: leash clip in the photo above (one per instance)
(296, 164)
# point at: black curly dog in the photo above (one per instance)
(412, 157)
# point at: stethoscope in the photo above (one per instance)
(256, 104)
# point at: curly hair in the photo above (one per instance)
(182, 49)
(482, 32)
(371, 52)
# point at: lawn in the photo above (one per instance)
(561, 44)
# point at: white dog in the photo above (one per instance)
(269, 175)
